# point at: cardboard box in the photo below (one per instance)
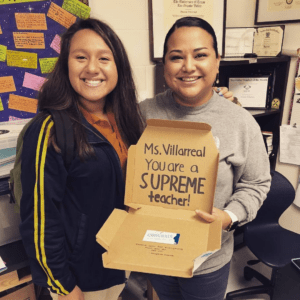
(171, 172)
(25, 293)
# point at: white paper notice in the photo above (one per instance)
(161, 237)
(251, 92)
(289, 145)
(238, 41)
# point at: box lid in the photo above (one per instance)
(174, 165)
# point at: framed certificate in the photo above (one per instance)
(163, 14)
(277, 11)
(262, 40)
(252, 92)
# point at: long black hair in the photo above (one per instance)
(57, 93)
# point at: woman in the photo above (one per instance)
(191, 65)
(63, 209)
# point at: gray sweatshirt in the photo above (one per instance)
(244, 170)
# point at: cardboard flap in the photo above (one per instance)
(174, 165)
(178, 124)
(110, 228)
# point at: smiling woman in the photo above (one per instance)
(92, 70)
(62, 208)
(191, 64)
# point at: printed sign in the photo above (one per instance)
(77, 8)
(1, 105)
(7, 84)
(22, 103)
(31, 21)
(56, 43)
(21, 59)
(60, 15)
(3, 2)
(47, 64)
(161, 237)
(3, 52)
(29, 40)
(32, 81)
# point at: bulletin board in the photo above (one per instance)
(30, 32)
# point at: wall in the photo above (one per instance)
(241, 14)
(130, 20)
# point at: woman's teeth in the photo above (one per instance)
(93, 82)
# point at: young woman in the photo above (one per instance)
(63, 209)
(191, 64)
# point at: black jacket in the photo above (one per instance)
(62, 211)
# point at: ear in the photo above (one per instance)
(218, 61)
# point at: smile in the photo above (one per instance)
(93, 82)
(189, 79)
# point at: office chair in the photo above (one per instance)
(268, 241)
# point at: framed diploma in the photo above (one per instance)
(277, 11)
(163, 14)
(252, 92)
(268, 40)
(262, 40)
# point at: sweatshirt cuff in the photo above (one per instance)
(239, 211)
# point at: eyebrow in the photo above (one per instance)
(100, 51)
(195, 50)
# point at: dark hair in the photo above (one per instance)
(191, 22)
(57, 93)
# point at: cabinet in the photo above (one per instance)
(278, 67)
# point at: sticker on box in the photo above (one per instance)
(161, 237)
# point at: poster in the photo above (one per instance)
(28, 36)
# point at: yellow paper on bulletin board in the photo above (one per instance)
(47, 64)
(31, 21)
(1, 105)
(77, 8)
(3, 2)
(3, 52)
(22, 103)
(29, 40)
(0, 30)
(60, 15)
(7, 84)
(21, 59)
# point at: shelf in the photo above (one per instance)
(263, 112)
(231, 61)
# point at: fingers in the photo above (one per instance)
(217, 214)
(205, 216)
(223, 91)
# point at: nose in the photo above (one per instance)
(92, 66)
(189, 65)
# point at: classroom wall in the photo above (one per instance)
(130, 20)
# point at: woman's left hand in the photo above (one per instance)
(217, 214)
(223, 91)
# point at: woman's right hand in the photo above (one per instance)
(76, 294)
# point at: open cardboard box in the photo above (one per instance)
(171, 172)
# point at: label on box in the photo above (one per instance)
(161, 237)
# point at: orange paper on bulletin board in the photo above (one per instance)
(32, 21)
(22, 103)
(7, 84)
(60, 15)
(29, 40)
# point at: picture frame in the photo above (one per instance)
(264, 41)
(252, 92)
(277, 12)
(163, 14)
